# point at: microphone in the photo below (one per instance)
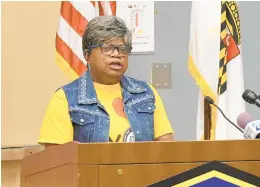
(211, 101)
(250, 97)
(252, 128)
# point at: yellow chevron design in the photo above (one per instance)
(211, 174)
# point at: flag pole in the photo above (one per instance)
(207, 121)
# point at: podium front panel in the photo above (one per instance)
(60, 176)
(141, 175)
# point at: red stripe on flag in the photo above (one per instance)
(101, 12)
(73, 17)
(93, 3)
(113, 7)
(65, 51)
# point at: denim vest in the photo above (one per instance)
(90, 119)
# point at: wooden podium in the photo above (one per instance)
(131, 164)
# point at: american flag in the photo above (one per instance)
(74, 17)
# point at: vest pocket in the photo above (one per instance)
(145, 117)
(83, 124)
(82, 118)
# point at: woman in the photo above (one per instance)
(105, 105)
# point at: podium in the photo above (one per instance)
(132, 164)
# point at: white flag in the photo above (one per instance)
(215, 62)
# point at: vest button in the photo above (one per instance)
(81, 120)
(137, 132)
(149, 108)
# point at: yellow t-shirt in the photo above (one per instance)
(57, 127)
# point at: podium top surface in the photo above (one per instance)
(149, 152)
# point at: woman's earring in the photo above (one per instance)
(88, 66)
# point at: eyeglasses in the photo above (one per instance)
(108, 49)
